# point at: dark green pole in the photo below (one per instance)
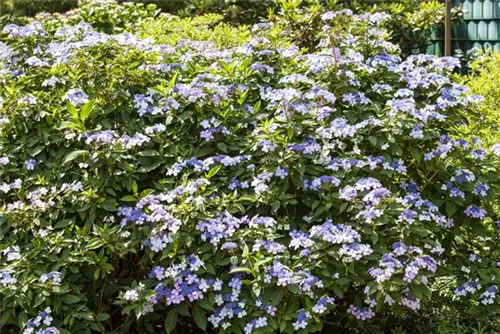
(447, 29)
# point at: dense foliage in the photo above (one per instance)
(412, 24)
(150, 187)
(33, 7)
(484, 79)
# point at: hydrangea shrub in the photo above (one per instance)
(256, 189)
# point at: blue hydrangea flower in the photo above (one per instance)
(76, 97)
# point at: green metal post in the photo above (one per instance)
(447, 29)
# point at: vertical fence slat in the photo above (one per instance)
(480, 27)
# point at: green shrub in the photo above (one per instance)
(411, 22)
(147, 22)
(33, 7)
(149, 188)
(233, 11)
(484, 79)
(104, 15)
(168, 29)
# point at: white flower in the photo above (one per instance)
(131, 295)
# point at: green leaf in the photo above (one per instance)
(86, 110)
(240, 270)
(427, 292)
(343, 281)
(200, 319)
(451, 209)
(172, 83)
(63, 223)
(223, 147)
(71, 125)
(277, 297)
(182, 310)
(171, 321)
(73, 155)
(135, 187)
(146, 192)
(301, 168)
(420, 291)
(72, 110)
(147, 169)
(213, 171)
(149, 153)
(22, 319)
(338, 291)
(94, 243)
(4, 316)
(474, 309)
(205, 303)
(247, 198)
(261, 262)
(102, 317)
(128, 198)
(415, 153)
(479, 229)
(70, 299)
(283, 325)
